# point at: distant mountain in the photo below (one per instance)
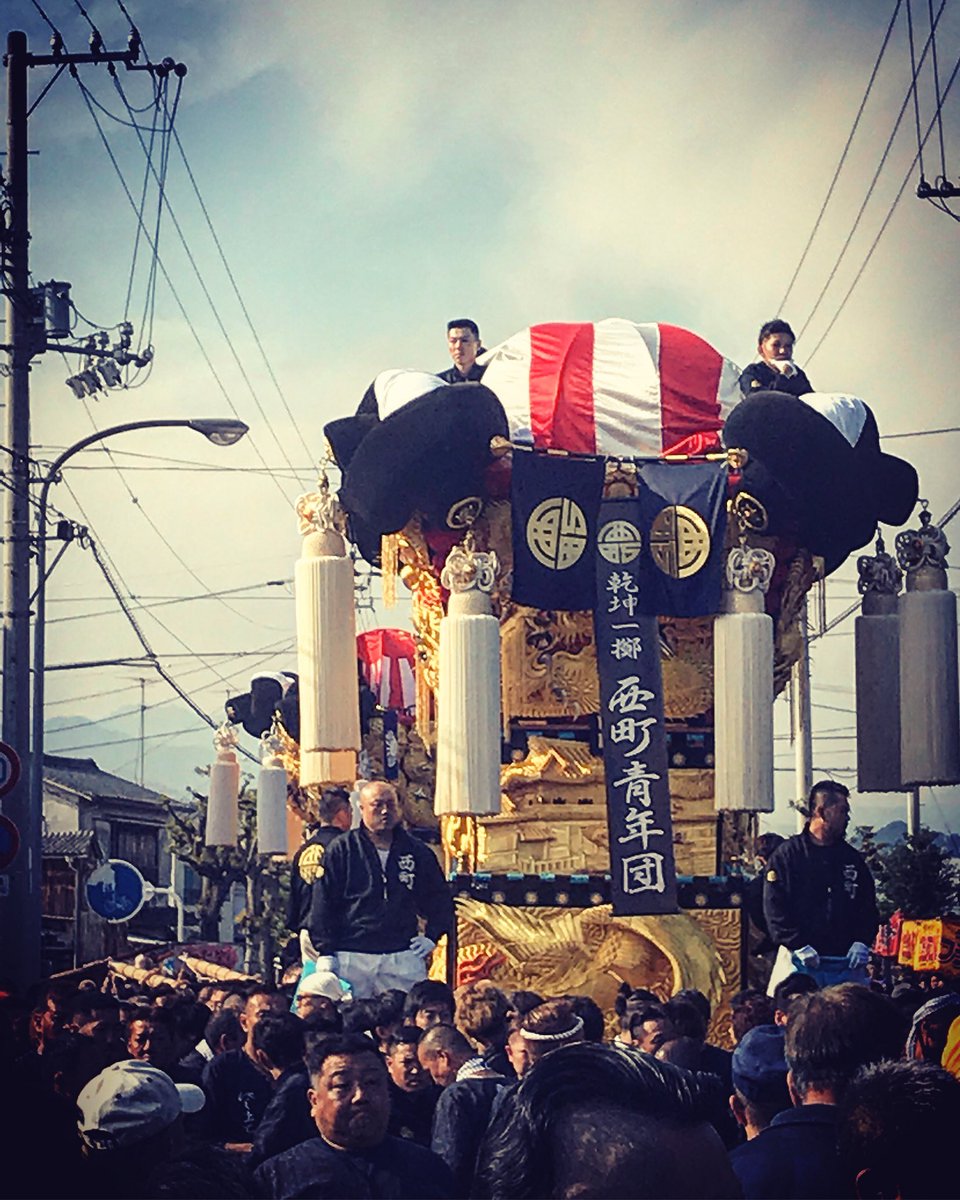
(895, 831)
(170, 755)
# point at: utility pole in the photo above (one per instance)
(20, 898)
(20, 923)
(801, 732)
(143, 718)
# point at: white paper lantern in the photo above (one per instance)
(468, 697)
(221, 826)
(743, 686)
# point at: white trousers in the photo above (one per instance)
(371, 974)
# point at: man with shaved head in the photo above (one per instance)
(376, 885)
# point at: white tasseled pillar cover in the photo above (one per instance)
(468, 699)
(326, 639)
(221, 827)
(929, 699)
(271, 798)
(743, 686)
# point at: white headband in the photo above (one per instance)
(564, 1036)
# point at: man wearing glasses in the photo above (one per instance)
(377, 883)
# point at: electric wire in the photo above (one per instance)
(843, 158)
(882, 229)
(176, 295)
(870, 190)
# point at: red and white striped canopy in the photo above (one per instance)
(388, 658)
(612, 387)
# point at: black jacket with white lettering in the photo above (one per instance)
(357, 905)
(820, 896)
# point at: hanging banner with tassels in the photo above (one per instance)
(391, 746)
(642, 870)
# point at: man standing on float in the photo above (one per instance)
(377, 882)
(819, 899)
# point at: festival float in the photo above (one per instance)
(609, 552)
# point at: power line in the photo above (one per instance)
(843, 158)
(865, 202)
(882, 229)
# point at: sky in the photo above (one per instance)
(370, 170)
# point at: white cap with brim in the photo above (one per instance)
(130, 1101)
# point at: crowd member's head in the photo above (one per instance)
(590, 1013)
(548, 1026)
(684, 1051)
(259, 1001)
(132, 1112)
(360, 1017)
(379, 809)
(349, 1094)
(930, 1027)
(647, 1028)
(759, 1071)
(596, 1120)
(223, 1032)
(428, 1002)
(234, 1000)
(152, 1037)
(403, 1060)
(699, 1001)
(443, 1050)
(522, 1001)
(96, 1015)
(686, 1018)
(748, 1009)
(389, 1015)
(463, 342)
(828, 812)
(481, 1014)
(896, 1124)
(775, 341)
(319, 993)
(191, 1020)
(628, 1001)
(333, 808)
(318, 1028)
(51, 1016)
(832, 1033)
(516, 1048)
(787, 990)
(763, 847)
(278, 1042)
(69, 1063)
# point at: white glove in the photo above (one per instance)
(328, 962)
(307, 950)
(807, 957)
(858, 955)
(785, 367)
(422, 946)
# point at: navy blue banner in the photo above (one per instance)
(555, 502)
(642, 870)
(682, 514)
(391, 746)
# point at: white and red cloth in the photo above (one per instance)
(387, 658)
(612, 387)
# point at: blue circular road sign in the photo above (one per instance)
(116, 890)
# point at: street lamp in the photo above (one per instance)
(224, 432)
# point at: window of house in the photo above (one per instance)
(139, 845)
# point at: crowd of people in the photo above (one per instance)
(246, 1090)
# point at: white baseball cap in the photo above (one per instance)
(130, 1101)
(325, 983)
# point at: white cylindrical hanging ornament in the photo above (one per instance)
(929, 696)
(743, 685)
(877, 670)
(221, 825)
(272, 796)
(326, 637)
(468, 695)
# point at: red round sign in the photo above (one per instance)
(9, 768)
(9, 842)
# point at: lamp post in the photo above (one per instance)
(222, 433)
